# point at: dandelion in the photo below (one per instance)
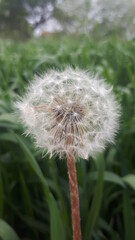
(70, 113)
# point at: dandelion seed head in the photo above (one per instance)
(70, 110)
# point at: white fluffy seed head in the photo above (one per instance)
(70, 110)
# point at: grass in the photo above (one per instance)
(34, 189)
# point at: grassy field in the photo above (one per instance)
(34, 193)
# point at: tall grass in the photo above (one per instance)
(34, 192)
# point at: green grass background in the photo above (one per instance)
(34, 192)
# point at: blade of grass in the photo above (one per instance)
(56, 225)
(27, 204)
(130, 180)
(57, 230)
(33, 223)
(57, 189)
(109, 177)
(97, 199)
(33, 163)
(128, 216)
(1, 194)
(6, 232)
(8, 137)
(8, 117)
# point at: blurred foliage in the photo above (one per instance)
(100, 17)
(19, 19)
(33, 188)
(16, 16)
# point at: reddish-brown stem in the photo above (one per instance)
(74, 196)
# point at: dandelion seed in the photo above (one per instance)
(83, 105)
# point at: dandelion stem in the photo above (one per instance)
(74, 196)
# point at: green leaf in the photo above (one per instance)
(114, 178)
(130, 180)
(35, 224)
(33, 163)
(56, 187)
(8, 137)
(97, 199)
(25, 196)
(8, 117)
(6, 232)
(27, 203)
(109, 177)
(1, 194)
(128, 215)
(57, 228)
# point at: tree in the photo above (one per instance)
(20, 17)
